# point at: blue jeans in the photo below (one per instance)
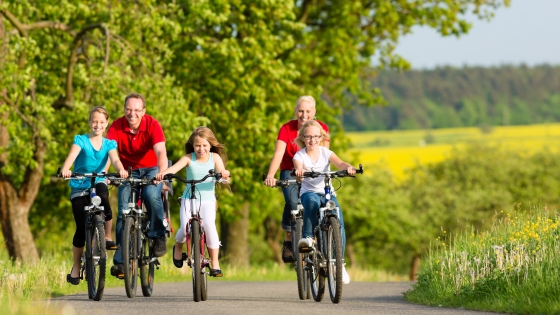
(151, 197)
(291, 199)
(311, 203)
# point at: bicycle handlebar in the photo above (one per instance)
(77, 175)
(330, 174)
(211, 173)
(283, 182)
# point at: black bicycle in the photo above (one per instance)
(296, 226)
(94, 259)
(137, 249)
(326, 259)
(198, 258)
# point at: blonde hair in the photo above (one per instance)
(310, 123)
(208, 135)
(305, 98)
(99, 109)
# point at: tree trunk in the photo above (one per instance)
(273, 235)
(235, 236)
(15, 205)
(414, 267)
(350, 252)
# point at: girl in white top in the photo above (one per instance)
(203, 152)
(314, 157)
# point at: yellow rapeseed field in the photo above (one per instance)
(401, 150)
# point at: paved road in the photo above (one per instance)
(252, 298)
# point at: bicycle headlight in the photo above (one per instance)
(331, 205)
(96, 200)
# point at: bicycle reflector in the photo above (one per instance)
(96, 200)
(331, 205)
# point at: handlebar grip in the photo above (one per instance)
(58, 171)
(360, 170)
(264, 177)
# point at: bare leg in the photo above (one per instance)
(178, 253)
(288, 237)
(77, 255)
(214, 252)
(108, 227)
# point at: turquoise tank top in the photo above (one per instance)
(203, 191)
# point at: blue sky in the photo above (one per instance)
(528, 31)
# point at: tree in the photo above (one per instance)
(244, 63)
(57, 60)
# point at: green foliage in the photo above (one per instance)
(460, 97)
(511, 268)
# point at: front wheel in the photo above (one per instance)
(316, 279)
(300, 260)
(130, 256)
(195, 260)
(147, 267)
(96, 258)
(334, 259)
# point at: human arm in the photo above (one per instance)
(341, 165)
(220, 167)
(279, 151)
(184, 161)
(117, 164)
(74, 151)
(161, 154)
(298, 165)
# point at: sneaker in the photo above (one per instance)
(216, 273)
(345, 276)
(160, 248)
(287, 255)
(118, 271)
(306, 244)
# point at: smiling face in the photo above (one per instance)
(312, 137)
(201, 147)
(134, 111)
(304, 112)
(97, 123)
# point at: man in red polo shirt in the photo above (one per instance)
(141, 145)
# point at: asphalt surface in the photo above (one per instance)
(251, 298)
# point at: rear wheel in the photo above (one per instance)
(147, 268)
(316, 279)
(334, 259)
(96, 258)
(195, 261)
(130, 256)
(300, 260)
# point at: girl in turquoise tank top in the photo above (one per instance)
(202, 153)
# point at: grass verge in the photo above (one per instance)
(512, 268)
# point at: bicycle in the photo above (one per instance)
(94, 258)
(296, 225)
(199, 258)
(137, 248)
(326, 258)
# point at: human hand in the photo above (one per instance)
(270, 181)
(351, 170)
(299, 172)
(225, 174)
(66, 173)
(123, 173)
(159, 176)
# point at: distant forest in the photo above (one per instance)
(448, 97)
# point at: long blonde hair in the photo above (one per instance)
(208, 135)
(301, 142)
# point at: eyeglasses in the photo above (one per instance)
(312, 137)
(130, 110)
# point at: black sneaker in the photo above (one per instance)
(216, 273)
(287, 255)
(118, 271)
(160, 248)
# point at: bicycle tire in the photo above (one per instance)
(205, 256)
(147, 268)
(300, 260)
(334, 259)
(316, 279)
(166, 213)
(195, 260)
(130, 256)
(96, 258)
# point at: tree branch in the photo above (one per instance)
(68, 100)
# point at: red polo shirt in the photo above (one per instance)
(288, 133)
(137, 150)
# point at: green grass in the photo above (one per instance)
(512, 268)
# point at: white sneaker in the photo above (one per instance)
(306, 244)
(345, 276)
